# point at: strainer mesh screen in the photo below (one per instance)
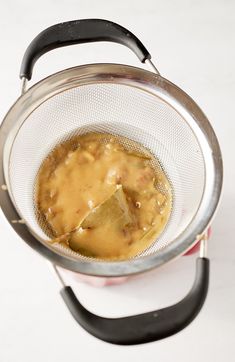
(120, 110)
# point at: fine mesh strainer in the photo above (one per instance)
(126, 102)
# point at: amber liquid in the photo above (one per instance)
(103, 196)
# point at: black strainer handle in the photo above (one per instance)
(78, 32)
(147, 327)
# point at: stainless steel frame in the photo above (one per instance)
(149, 82)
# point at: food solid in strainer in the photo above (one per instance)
(101, 198)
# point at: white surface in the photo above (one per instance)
(192, 44)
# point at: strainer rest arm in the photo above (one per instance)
(147, 327)
(78, 32)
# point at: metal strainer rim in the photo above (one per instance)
(146, 81)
